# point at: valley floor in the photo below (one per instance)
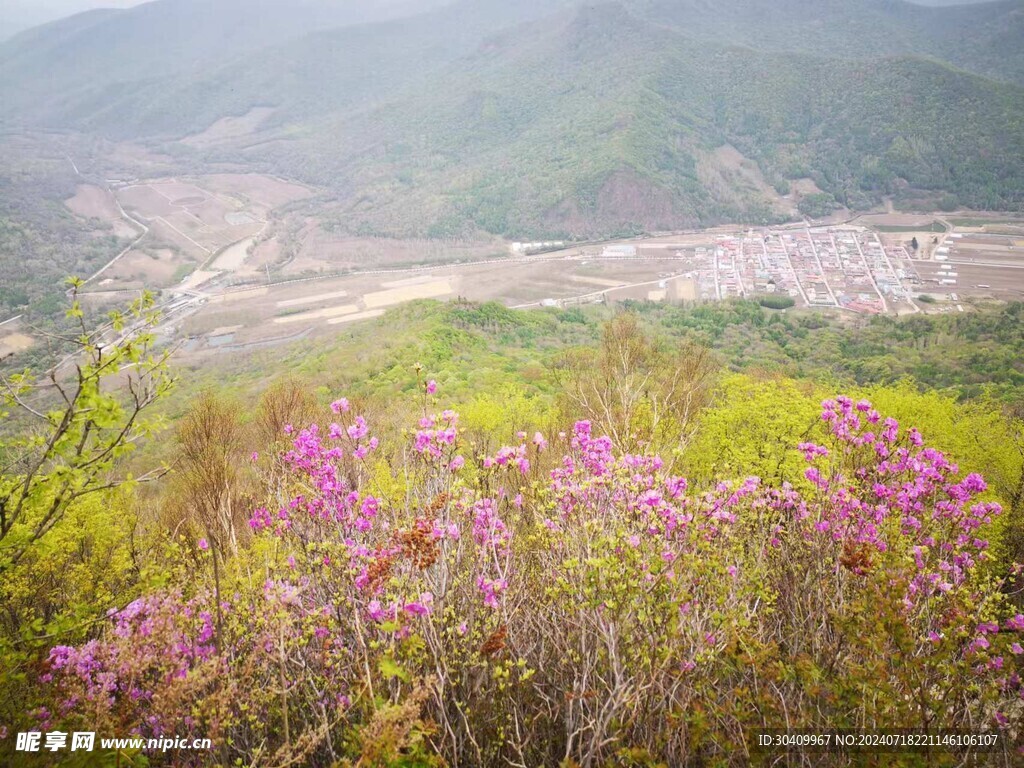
(245, 261)
(848, 268)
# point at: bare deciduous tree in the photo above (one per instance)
(638, 391)
(211, 443)
(286, 402)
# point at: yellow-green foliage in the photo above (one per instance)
(752, 428)
(66, 582)
(573, 599)
(81, 569)
(754, 424)
(498, 416)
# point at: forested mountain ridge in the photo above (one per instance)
(983, 39)
(556, 118)
(542, 130)
(175, 36)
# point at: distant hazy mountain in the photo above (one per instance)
(172, 36)
(19, 15)
(552, 115)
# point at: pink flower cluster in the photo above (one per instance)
(898, 493)
(328, 493)
(436, 436)
(509, 456)
(873, 500)
(154, 642)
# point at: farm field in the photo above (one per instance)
(261, 193)
(204, 222)
(976, 265)
(989, 223)
(14, 342)
(183, 227)
(312, 248)
(92, 202)
(848, 268)
(229, 128)
(144, 268)
(901, 222)
(263, 314)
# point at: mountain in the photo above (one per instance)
(172, 37)
(19, 15)
(984, 39)
(306, 76)
(936, 3)
(542, 130)
(557, 117)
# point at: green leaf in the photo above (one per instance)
(391, 669)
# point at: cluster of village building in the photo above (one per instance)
(825, 268)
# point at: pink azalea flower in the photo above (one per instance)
(1016, 623)
(421, 607)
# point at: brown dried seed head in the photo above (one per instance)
(378, 572)
(440, 502)
(418, 545)
(856, 558)
(496, 642)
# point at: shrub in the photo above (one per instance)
(563, 599)
(777, 302)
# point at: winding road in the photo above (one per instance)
(124, 214)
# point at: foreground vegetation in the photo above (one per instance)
(626, 555)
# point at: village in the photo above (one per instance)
(234, 269)
(837, 268)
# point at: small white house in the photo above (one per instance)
(619, 251)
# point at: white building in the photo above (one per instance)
(619, 251)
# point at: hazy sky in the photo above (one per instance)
(16, 15)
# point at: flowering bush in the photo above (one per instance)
(559, 600)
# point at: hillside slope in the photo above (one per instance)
(984, 39)
(595, 122)
(167, 38)
(555, 117)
